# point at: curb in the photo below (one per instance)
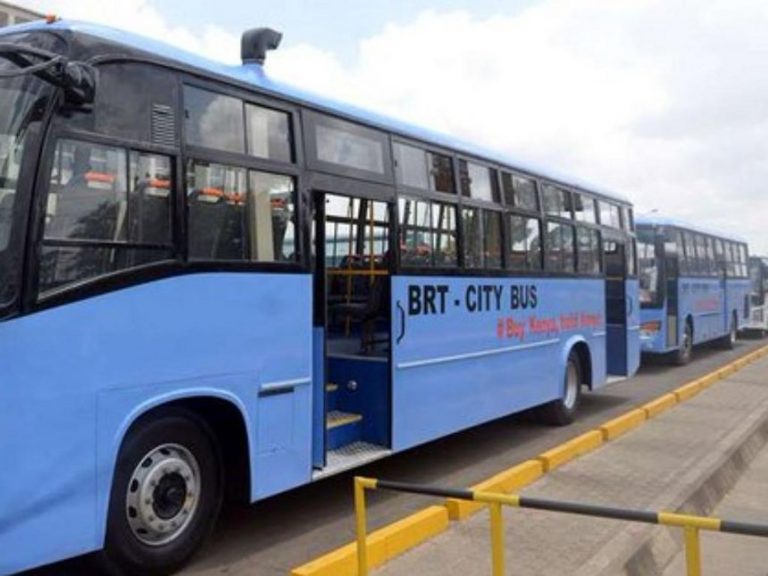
(383, 544)
(416, 528)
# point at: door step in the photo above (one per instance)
(343, 428)
(350, 456)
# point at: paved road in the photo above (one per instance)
(273, 536)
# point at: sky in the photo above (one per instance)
(664, 101)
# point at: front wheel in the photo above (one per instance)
(166, 495)
(685, 351)
(563, 410)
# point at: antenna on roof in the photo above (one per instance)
(255, 43)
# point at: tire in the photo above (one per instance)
(563, 411)
(685, 351)
(166, 495)
(729, 342)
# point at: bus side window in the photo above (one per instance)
(589, 251)
(492, 242)
(239, 215)
(560, 247)
(525, 248)
(472, 238)
(98, 217)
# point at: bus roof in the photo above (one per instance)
(656, 220)
(253, 76)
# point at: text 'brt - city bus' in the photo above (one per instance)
(215, 284)
(694, 287)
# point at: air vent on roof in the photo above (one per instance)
(255, 43)
(163, 125)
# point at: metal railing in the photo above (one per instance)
(691, 525)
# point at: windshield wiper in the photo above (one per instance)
(77, 79)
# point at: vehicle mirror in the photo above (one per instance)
(79, 83)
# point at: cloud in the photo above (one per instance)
(662, 100)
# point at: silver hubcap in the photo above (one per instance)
(163, 494)
(571, 386)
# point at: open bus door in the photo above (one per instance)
(351, 422)
(622, 293)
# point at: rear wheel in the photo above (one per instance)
(685, 351)
(729, 342)
(166, 495)
(563, 410)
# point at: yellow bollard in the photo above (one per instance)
(361, 525)
(692, 551)
(497, 538)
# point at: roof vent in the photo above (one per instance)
(255, 43)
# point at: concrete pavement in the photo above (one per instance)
(729, 554)
(685, 459)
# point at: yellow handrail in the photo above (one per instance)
(690, 524)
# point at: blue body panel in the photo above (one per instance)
(76, 376)
(487, 348)
(709, 303)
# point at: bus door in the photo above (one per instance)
(622, 307)
(352, 334)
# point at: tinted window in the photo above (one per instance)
(589, 251)
(584, 207)
(609, 214)
(116, 200)
(269, 133)
(556, 202)
(214, 120)
(444, 234)
(415, 232)
(560, 255)
(149, 199)
(89, 186)
(63, 265)
(478, 182)
(440, 173)
(349, 147)
(492, 242)
(525, 196)
(411, 166)
(235, 214)
(629, 219)
(473, 238)
(427, 233)
(525, 243)
(631, 258)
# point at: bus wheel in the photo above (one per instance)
(166, 495)
(563, 410)
(685, 351)
(729, 342)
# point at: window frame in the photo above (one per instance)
(93, 285)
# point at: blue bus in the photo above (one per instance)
(694, 287)
(173, 329)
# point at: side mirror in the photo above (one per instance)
(79, 82)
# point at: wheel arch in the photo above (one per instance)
(224, 413)
(580, 346)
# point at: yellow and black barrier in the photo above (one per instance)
(691, 525)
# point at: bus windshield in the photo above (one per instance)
(648, 263)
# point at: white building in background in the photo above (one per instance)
(11, 14)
